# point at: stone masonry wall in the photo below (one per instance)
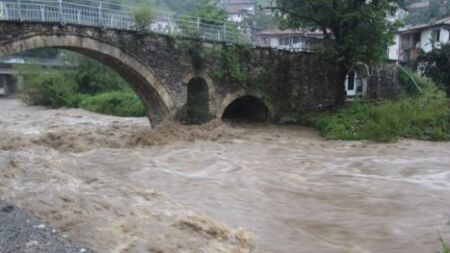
(287, 82)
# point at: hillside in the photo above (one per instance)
(425, 11)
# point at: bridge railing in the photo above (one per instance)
(117, 16)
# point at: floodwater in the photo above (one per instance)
(114, 185)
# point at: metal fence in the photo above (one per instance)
(118, 16)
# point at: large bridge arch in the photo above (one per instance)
(140, 77)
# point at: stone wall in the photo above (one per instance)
(292, 83)
(383, 81)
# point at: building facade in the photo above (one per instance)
(410, 41)
(298, 40)
(238, 10)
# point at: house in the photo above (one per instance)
(238, 10)
(299, 40)
(411, 40)
(2, 10)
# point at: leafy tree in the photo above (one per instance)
(354, 30)
(436, 65)
(91, 76)
(263, 21)
(45, 86)
(209, 13)
(206, 13)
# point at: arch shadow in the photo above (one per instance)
(245, 106)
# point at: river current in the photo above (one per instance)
(115, 185)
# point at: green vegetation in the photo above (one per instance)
(423, 117)
(354, 31)
(91, 76)
(91, 86)
(48, 88)
(208, 11)
(445, 247)
(410, 81)
(436, 65)
(119, 103)
(436, 9)
(143, 17)
(232, 59)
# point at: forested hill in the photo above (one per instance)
(425, 11)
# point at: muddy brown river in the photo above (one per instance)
(114, 185)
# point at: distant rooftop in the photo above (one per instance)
(236, 6)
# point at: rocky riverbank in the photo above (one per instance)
(20, 232)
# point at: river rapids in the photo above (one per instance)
(115, 185)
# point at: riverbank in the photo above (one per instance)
(113, 185)
(420, 117)
(20, 232)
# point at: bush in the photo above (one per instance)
(423, 117)
(118, 103)
(47, 87)
(143, 17)
(435, 64)
(91, 85)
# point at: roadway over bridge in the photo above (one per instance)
(163, 67)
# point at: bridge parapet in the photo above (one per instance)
(119, 16)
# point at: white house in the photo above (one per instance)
(299, 40)
(411, 40)
(237, 10)
(2, 10)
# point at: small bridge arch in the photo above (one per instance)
(139, 76)
(245, 106)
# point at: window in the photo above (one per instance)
(297, 40)
(284, 41)
(436, 35)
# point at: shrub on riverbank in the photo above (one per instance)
(423, 117)
(47, 88)
(90, 86)
(118, 103)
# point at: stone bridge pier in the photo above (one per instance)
(162, 70)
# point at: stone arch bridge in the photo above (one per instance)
(160, 69)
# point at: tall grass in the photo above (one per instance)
(423, 117)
